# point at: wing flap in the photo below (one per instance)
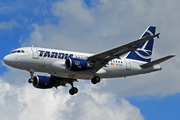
(157, 61)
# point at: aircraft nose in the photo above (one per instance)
(7, 59)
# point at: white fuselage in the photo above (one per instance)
(52, 61)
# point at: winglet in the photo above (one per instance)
(157, 35)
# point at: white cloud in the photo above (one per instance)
(28, 103)
(4, 87)
(73, 10)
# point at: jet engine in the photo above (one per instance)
(75, 64)
(42, 82)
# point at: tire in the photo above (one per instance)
(30, 81)
(73, 91)
(95, 79)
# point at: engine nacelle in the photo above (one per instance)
(42, 82)
(75, 64)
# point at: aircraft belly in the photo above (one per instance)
(74, 74)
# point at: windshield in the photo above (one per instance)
(18, 51)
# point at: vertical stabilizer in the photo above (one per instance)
(144, 52)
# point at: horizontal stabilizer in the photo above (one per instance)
(157, 61)
(157, 35)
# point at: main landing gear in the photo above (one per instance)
(95, 79)
(73, 90)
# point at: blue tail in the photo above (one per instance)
(144, 52)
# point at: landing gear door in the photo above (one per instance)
(35, 53)
(128, 64)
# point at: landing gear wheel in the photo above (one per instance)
(95, 79)
(73, 91)
(30, 80)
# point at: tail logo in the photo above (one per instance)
(145, 52)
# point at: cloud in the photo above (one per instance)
(8, 25)
(4, 87)
(28, 103)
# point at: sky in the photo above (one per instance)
(90, 26)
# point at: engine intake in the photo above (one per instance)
(42, 82)
(75, 64)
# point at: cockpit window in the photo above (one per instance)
(18, 51)
(13, 51)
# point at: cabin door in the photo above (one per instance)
(35, 53)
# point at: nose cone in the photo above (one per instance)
(7, 59)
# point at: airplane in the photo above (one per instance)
(65, 67)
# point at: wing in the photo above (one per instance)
(99, 60)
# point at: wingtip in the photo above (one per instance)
(172, 55)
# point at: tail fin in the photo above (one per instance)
(144, 52)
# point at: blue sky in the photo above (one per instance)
(100, 25)
(157, 108)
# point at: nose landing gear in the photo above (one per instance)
(32, 75)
